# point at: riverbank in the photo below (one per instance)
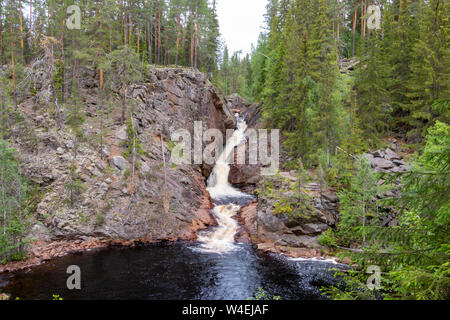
(248, 233)
(42, 252)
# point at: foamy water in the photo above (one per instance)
(221, 239)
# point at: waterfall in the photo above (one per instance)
(224, 195)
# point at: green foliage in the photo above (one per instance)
(295, 202)
(291, 199)
(358, 207)
(262, 295)
(352, 286)
(76, 117)
(124, 66)
(4, 297)
(100, 219)
(14, 206)
(58, 76)
(328, 238)
(402, 71)
(414, 254)
(133, 145)
(74, 186)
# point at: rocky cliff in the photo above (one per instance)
(157, 202)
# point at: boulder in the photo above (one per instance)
(378, 154)
(391, 155)
(119, 162)
(121, 134)
(310, 229)
(245, 174)
(399, 162)
(330, 196)
(370, 158)
(382, 163)
(145, 168)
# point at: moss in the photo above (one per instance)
(100, 219)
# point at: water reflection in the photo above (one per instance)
(174, 272)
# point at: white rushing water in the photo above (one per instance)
(221, 239)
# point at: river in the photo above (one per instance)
(214, 268)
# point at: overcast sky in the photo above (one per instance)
(241, 22)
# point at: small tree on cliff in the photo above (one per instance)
(14, 220)
(124, 68)
(357, 205)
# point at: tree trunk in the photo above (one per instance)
(130, 31)
(101, 114)
(3, 184)
(124, 97)
(196, 46)
(178, 38)
(159, 36)
(155, 25)
(13, 69)
(150, 44)
(400, 11)
(55, 101)
(63, 54)
(21, 29)
(183, 41)
(124, 24)
(365, 18)
(196, 36)
(192, 48)
(138, 39)
(338, 36)
(354, 32)
(362, 19)
(1, 33)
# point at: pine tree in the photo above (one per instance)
(14, 214)
(124, 67)
(358, 208)
(371, 87)
(429, 81)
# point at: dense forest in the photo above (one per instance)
(176, 32)
(335, 85)
(338, 87)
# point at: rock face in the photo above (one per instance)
(147, 203)
(387, 161)
(236, 103)
(266, 227)
(253, 115)
(119, 162)
(245, 176)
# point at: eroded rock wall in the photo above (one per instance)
(155, 203)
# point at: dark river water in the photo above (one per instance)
(173, 271)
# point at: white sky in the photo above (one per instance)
(241, 22)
